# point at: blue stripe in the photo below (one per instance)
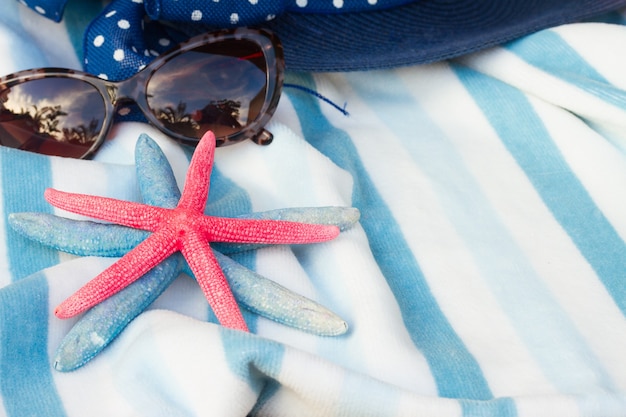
(474, 218)
(548, 51)
(25, 176)
(499, 407)
(255, 360)
(270, 389)
(523, 133)
(454, 369)
(26, 381)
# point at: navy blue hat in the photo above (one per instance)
(324, 35)
(420, 31)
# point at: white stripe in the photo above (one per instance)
(443, 256)
(508, 67)
(594, 42)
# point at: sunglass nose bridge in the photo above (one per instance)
(112, 93)
(123, 91)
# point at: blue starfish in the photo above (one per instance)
(102, 323)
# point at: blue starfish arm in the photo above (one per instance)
(342, 217)
(87, 238)
(159, 188)
(275, 302)
(77, 237)
(156, 179)
(99, 326)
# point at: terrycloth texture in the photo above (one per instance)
(486, 276)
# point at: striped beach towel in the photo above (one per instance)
(486, 276)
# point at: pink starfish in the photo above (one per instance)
(186, 229)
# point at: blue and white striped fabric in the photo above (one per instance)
(487, 276)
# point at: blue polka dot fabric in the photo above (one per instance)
(121, 42)
(128, 34)
(52, 9)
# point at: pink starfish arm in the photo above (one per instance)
(126, 213)
(184, 228)
(197, 180)
(222, 229)
(138, 261)
(209, 275)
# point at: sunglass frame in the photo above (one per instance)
(114, 93)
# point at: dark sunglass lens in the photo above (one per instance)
(219, 87)
(52, 116)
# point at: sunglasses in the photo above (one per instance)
(228, 82)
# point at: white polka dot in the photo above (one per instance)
(164, 42)
(270, 17)
(372, 2)
(234, 18)
(98, 41)
(111, 13)
(196, 15)
(123, 111)
(138, 1)
(153, 52)
(40, 9)
(118, 55)
(123, 24)
(142, 66)
(253, 1)
(338, 3)
(103, 76)
(301, 3)
(134, 49)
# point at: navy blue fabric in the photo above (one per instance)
(322, 35)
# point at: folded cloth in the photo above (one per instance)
(486, 275)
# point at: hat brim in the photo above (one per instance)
(421, 32)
